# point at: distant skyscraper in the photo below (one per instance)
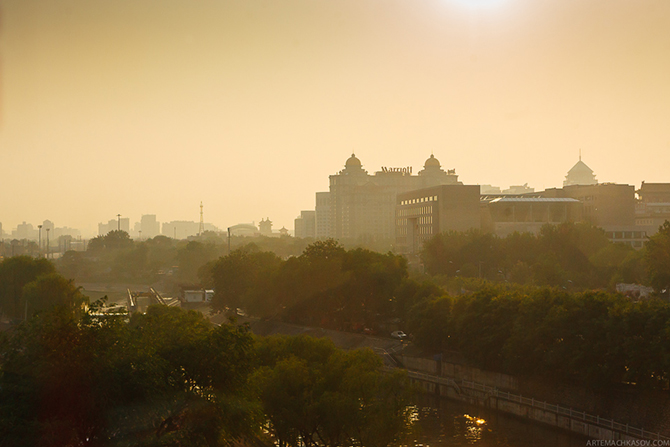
(322, 215)
(48, 225)
(305, 224)
(149, 226)
(25, 231)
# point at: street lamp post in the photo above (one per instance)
(48, 229)
(39, 241)
(228, 240)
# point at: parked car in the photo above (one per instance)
(400, 335)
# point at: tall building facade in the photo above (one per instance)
(322, 215)
(305, 224)
(149, 226)
(362, 206)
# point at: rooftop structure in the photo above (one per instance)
(580, 174)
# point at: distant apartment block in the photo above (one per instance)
(305, 224)
(122, 224)
(322, 215)
(25, 231)
(149, 226)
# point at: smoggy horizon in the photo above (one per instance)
(150, 107)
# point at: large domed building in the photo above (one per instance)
(361, 206)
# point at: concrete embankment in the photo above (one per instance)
(549, 404)
(620, 414)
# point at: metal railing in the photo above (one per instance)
(554, 408)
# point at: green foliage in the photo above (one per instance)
(51, 290)
(594, 338)
(573, 256)
(325, 286)
(15, 274)
(168, 378)
(191, 258)
(242, 279)
(658, 258)
(316, 395)
(430, 323)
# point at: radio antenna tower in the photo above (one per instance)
(202, 222)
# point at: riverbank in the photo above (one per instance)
(648, 411)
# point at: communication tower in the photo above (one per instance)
(201, 229)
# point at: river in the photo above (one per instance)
(444, 422)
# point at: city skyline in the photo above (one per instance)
(249, 107)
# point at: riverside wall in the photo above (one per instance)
(568, 405)
(647, 410)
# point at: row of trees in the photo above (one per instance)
(593, 337)
(568, 255)
(75, 375)
(325, 286)
(117, 257)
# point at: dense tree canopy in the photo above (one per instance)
(316, 395)
(658, 258)
(595, 338)
(572, 256)
(326, 285)
(15, 274)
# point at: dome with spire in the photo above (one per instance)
(353, 162)
(432, 162)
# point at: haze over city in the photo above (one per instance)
(151, 107)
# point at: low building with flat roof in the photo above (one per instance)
(529, 214)
(423, 213)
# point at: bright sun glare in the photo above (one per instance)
(478, 4)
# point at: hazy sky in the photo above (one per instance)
(151, 106)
